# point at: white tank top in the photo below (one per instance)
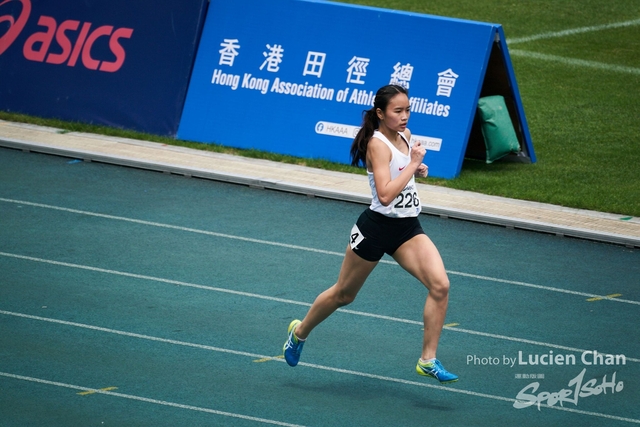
(407, 204)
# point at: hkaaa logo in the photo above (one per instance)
(69, 42)
(15, 25)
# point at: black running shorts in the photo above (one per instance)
(375, 234)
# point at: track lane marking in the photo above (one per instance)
(144, 399)
(297, 247)
(360, 313)
(293, 302)
(88, 392)
(601, 298)
(259, 356)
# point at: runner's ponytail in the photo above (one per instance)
(370, 123)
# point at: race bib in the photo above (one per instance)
(356, 237)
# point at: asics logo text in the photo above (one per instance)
(15, 25)
(68, 43)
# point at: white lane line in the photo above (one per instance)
(526, 341)
(479, 333)
(546, 288)
(575, 62)
(302, 248)
(154, 279)
(570, 32)
(310, 365)
(169, 226)
(289, 301)
(147, 400)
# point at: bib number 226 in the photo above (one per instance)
(407, 200)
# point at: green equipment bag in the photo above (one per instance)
(499, 135)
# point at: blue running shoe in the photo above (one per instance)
(434, 369)
(293, 347)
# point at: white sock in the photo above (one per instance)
(299, 339)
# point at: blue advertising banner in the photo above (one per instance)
(294, 76)
(121, 63)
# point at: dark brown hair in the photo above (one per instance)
(370, 123)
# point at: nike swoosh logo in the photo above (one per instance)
(401, 168)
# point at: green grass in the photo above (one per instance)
(584, 122)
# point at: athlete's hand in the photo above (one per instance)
(417, 153)
(422, 171)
